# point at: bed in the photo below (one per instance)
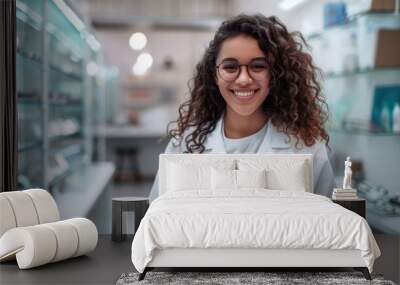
(247, 211)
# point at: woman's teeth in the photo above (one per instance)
(243, 94)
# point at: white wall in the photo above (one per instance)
(301, 17)
(183, 47)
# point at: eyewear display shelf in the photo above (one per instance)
(53, 92)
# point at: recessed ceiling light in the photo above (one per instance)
(143, 64)
(145, 59)
(137, 41)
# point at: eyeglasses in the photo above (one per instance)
(229, 70)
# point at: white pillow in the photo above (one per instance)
(292, 178)
(251, 178)
(181, 177)
(225, 179)
(189, 174)
(281, 174)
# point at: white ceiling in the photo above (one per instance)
(159, 13)
(175, 14)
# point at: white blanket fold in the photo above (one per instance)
(251, 218)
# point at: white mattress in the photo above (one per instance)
(252, 218)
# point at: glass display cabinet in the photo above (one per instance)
(67, 50)
(29, 74)
(54, 92)
(362, 87)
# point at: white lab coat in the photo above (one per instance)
(273, 142)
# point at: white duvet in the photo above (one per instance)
(252, 218)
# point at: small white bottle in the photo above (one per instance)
(396, 119)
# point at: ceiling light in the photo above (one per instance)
(143, 63)
(286, 5)
(137, 41)
(145, 59)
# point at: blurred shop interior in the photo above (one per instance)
(99, 80)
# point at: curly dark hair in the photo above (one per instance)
(294, 105)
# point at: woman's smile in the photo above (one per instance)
(244, 96)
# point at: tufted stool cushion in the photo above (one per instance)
(31, 233)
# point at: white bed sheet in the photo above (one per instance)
(251, 218)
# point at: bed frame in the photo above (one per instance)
(261, 259)
(248, 259)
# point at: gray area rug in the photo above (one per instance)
(229, 278)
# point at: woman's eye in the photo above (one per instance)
(258, 67)
(229, 67)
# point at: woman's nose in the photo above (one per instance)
(244, 76)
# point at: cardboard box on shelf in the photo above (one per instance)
(382, 6)
(388, 48)
(368, 36)
(355, 7)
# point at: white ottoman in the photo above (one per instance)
(31, 233)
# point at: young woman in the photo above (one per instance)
(255, 90)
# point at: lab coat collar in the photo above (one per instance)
(273, 140)
(215, 141)
(277, 139)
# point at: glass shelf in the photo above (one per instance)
(67, 74)
(29, 99)
(365, 72)
(362, 132)
(67, 104)
(28, 146)
(350, 22)
(29, 78)
(30, 9)
(363, 105)
(321, 34)
(61, 138)
(30, 57)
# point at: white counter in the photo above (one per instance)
(82, 189)
(128, 131)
